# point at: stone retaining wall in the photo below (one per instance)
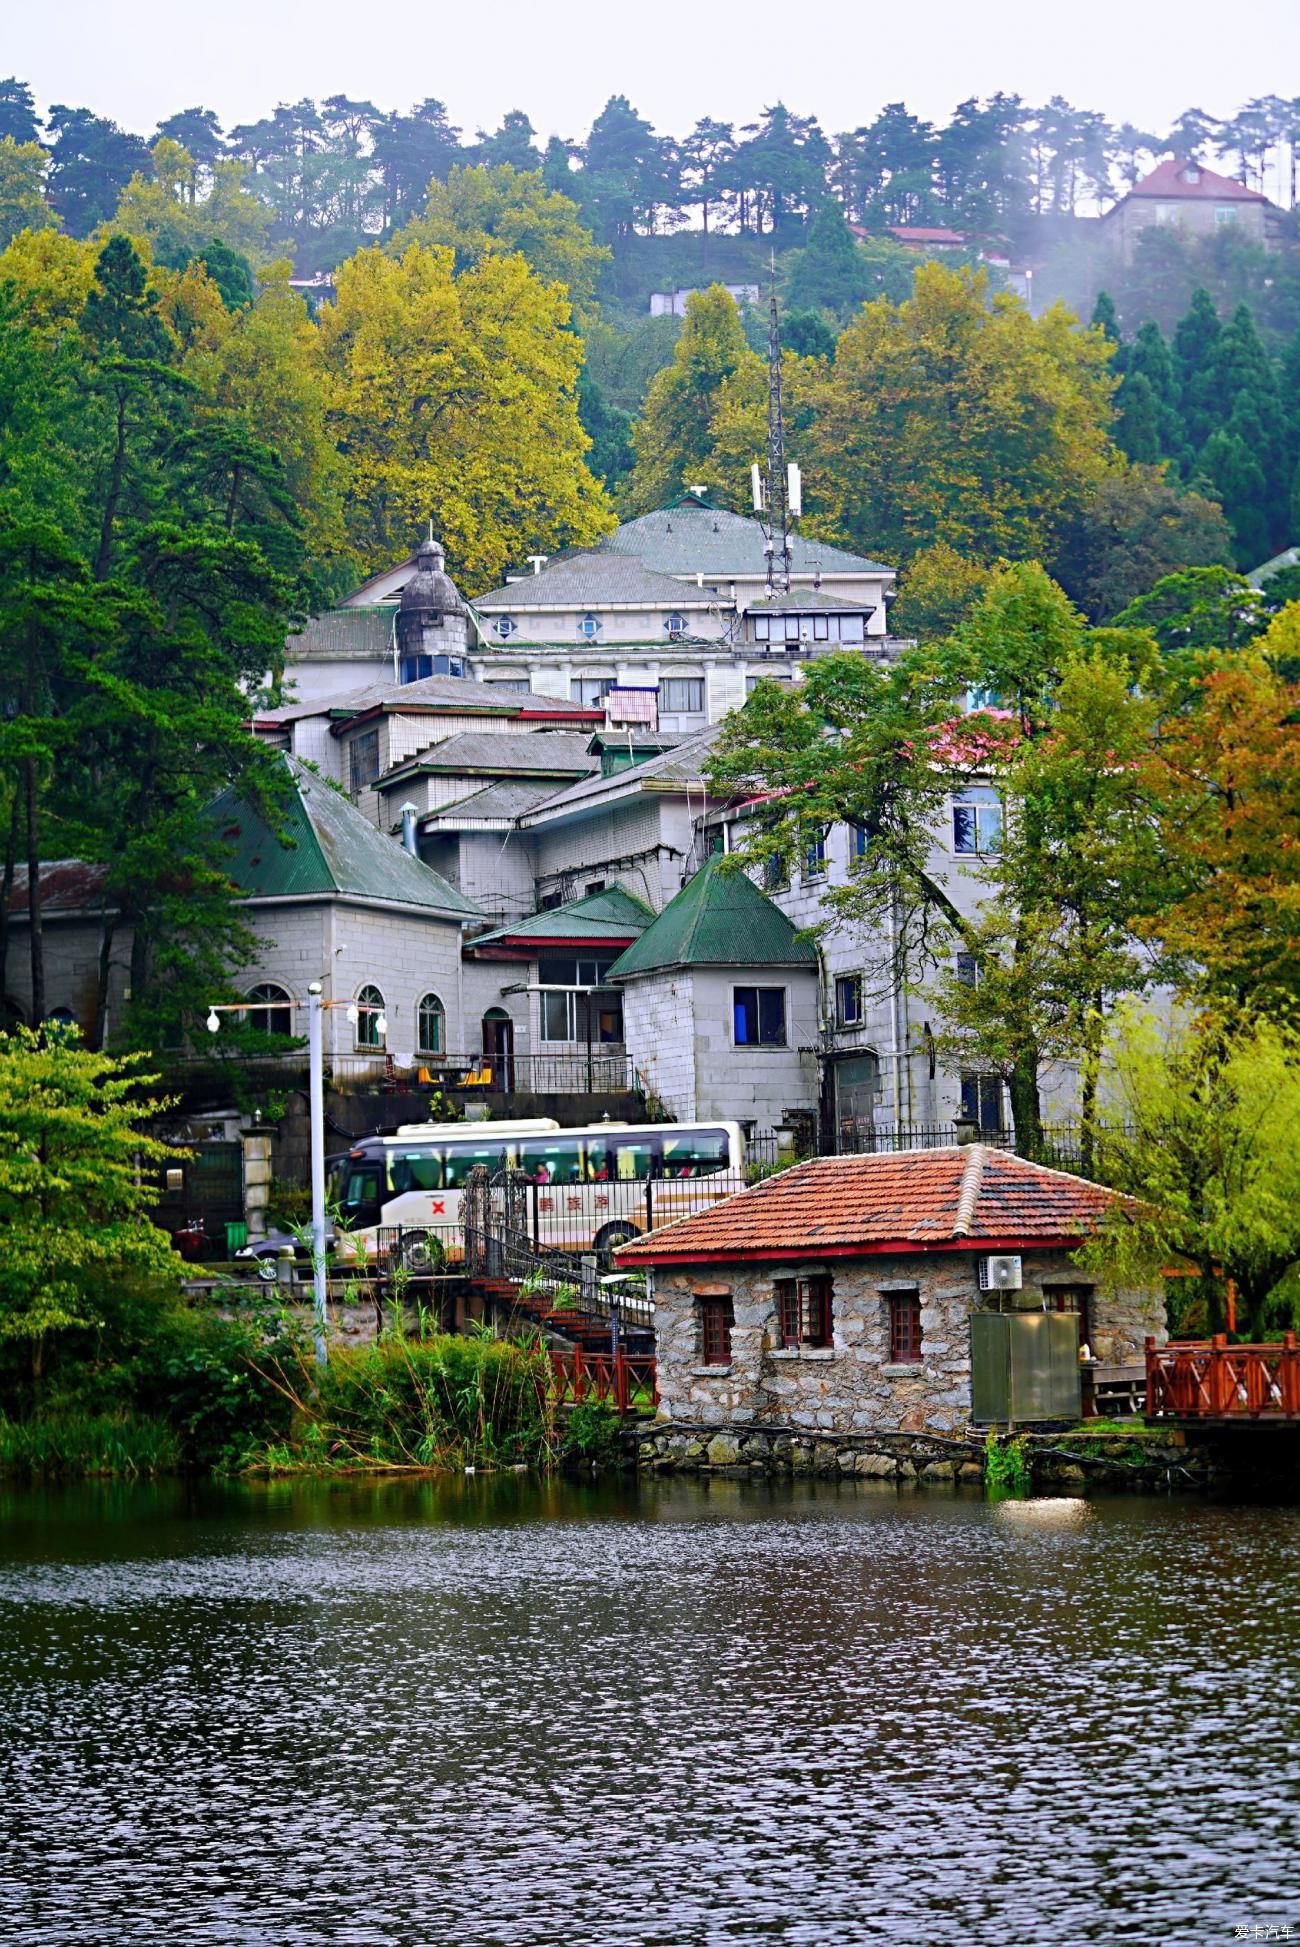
(1147, 1460)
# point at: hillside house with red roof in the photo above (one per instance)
(1199, 200)
(839, 1296)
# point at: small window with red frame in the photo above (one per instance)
(716, 1319)
(803, 1311)
(904, 1328)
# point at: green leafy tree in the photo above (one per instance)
(91, 162)
(168, 210)
(955, 417)
(1051, 946)
(198, 131)
(1197, 608)
(491, 211)
(1207, 1142)
(674, 437)
(513, 144)
(624, 171)
(410, 152)
(1139, 527)
(782, 167)
(19, 121)
(77, 1172)
(829, 273)
(22, 189)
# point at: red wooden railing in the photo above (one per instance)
(1212, 1380)
(623, 1380)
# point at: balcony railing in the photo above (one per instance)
(465, 1076)
(1200, 1380)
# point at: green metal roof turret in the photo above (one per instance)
(718, 919)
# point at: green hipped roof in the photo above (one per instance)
(718, 919)
(608, 915)
(327, 846)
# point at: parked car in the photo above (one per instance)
(265, 1251)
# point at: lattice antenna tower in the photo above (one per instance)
(778, 487)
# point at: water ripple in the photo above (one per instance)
(525, 1716)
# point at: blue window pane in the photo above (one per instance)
(746, 1013)
(964, 837)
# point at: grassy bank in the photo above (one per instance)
(192, 1389)
(407, 1403)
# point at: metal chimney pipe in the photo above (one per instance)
(409, 814)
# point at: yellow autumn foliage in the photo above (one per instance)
(455, 399)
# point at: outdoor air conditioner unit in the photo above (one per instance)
(1000, 1274)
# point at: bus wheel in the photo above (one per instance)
(611, 1238)
(420, 1254)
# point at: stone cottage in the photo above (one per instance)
(839, 1296)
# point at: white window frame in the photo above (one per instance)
(980, 800)
(681, 709)
(849, 983)
(504, 627)
(366, 1036)
(813, 866)
(589, 627)
(422, 1009)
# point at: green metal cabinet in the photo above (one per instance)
(1024, 1366)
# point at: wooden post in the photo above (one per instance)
(1220, 1383)
(579, 1376)
(1288, 1375)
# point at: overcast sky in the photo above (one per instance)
(139, 60)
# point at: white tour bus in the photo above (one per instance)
(588, 1189)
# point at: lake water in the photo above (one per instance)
(500, 1711)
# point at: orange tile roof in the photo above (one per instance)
(969, 1198)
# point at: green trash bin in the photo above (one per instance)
(236, 1238)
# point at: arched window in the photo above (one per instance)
(504, 626)
(431, 1025)
(370, 1006)
(270, 1009)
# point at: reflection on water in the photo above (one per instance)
(507, 1712)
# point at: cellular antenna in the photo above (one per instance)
(778, 482)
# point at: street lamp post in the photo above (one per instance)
(316, 1098)
(316, 1070)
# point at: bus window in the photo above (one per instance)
(460, 1160)
(414, 1169)
(697, 1152)
(361, 1199)
(635, 1158)
(552, 1159)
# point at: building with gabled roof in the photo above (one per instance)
(1183, 192)
(886, 1294)
(326, 897)
(720, 1005)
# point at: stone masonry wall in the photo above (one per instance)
(851, 1386)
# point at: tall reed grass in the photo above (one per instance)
(78, 1443)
